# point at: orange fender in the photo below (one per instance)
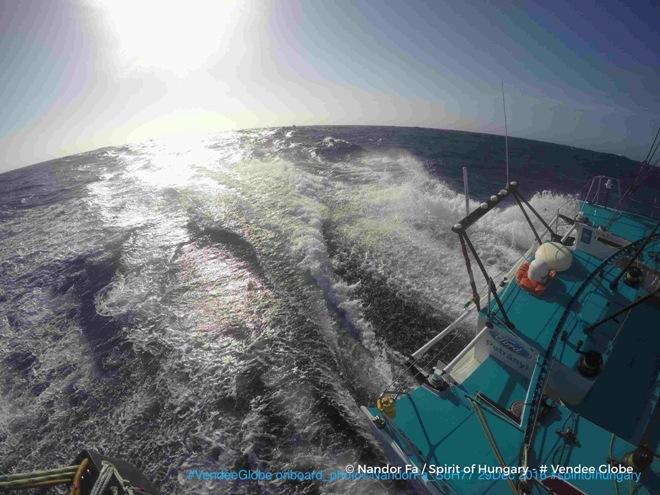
(522, 271)
(525, 283)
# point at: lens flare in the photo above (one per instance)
(175, 36)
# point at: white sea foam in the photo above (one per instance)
(215, 364)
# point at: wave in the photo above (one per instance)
(242, 286)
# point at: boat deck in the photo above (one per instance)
(444, 430)
(620, 410)
(633, 361)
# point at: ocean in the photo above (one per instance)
(228, 302)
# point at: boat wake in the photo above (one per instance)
(226, 303)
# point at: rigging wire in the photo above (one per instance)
(428, 362)
(652, 150)
(506, 137)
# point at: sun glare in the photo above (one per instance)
(173, 35)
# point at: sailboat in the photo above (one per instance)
(558, 390)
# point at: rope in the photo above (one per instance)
(37, 484)
(632, 487)
(48, 477)
(491, 440)
(66, 475)
(616, 485)
(32, 474)
(75, 485)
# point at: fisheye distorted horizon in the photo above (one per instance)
(81, 74)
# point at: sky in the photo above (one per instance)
(77, 75)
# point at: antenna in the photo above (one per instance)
(506, 137)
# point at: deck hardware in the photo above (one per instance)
(501, 411)
(547, 405)
(634, 276)
(641, 247)
(569, 437)
(438, 381)
(580, 218)
(639, 459)
(387, 405)
(590, 363)
(516, 409)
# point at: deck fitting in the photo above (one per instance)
(569, 437)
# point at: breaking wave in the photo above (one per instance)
(227, 303)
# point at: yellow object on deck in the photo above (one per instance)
(387, 405)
